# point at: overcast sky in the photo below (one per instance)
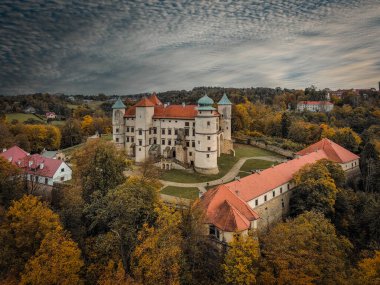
(126, 47)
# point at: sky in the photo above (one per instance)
(129, 47)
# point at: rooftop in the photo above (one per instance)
(118, 104)
(224, 100)
(205, 100)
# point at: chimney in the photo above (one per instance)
(183, 104)
(42, 165)
(4, 149)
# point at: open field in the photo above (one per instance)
(242, 150)
(181, 192)
(21, 117)
(254, 164)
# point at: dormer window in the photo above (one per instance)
(62, 169)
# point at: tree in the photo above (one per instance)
(114, 274)
(26, 224)
(11, 182)
(285, 124)
(347, 138)
(71, 133)
(368, 271)
(370, 167)
(87, 125)
(306, 250)
(241, 261)
(316, 187)
(99, 167)
(156, 260)
(57, 261)
(6, 137)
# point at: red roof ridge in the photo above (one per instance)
(154, 99)
(144, 102)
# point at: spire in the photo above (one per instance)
(224, 100)
(118, 104)
(205, 104)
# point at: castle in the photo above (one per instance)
(177, 135)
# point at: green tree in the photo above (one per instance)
(57, 261)
(241, 261)
(71, 133)
(370, 167)
(306, 250)
(99, 167)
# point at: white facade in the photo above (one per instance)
(315, 106)
(191, 135)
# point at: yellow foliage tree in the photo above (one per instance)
(156, 260)
(57, 261)
(87, 125)
(114, 274)
(368, 271)
(241, 262)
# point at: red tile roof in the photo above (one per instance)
(144, 102)
(154, 99)
(315, 102)
(14, 153)
(32, 163)
(226, 210)
(334, 151)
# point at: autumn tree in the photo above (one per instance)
(240, 265)
(347, 138)
(57, 261)
(306, 250)
(71, 133)
(285, 124)
(87, 125)
(99, 167)
(370, 167)
(12, 186)
(26, 224)
(156, 260)
(368, 271)
(316, 187)
(114, 274)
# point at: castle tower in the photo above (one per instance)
(206, 136)
(118, 110)
(224, 109)
(144, 121)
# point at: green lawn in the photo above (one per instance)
(181, 192)
(256, 164)
(242, 150)
(21, 117)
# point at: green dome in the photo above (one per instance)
(224, 100)
(118, 104)
(205, 101)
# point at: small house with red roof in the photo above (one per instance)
(261, 199)
(50, 115)
(177, 135)
(315, 106)
(41, 172)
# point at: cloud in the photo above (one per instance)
(125, 47)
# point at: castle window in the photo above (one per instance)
(150, 141)
(265, 198)
(193, 132)
(288, 186)
(163, 142)
(175, 131)
(187, 143)
(169, 142)
(140, 132)
(208, 155)
(155, 131)
(154, 141)
(208, 123)
(190, 153)
(132, 139)
(169, 131)
(46, 180)
(175, 121)
(256, 202)
(163, 131)
(132, 129)
(140, 142)
(186, 132)
(150, 131)
(194, 124)
(208, 138)
(214, 231)
(117, 131)
(117, 139)
(127, 129)
(187, 124)
(282, 202)
(127, 139)
(281, 190)
(274, 193)
(209, 148)
(199, 142)
(193, 143)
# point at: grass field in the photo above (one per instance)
(225, 163)
(256, 164)
(21, 117)
(181, 192)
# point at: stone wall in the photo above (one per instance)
(226, 146)
(273, 211)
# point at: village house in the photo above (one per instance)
(261, 199)
(315, 106)
(50, 115)
(177, 135)
(41, 172)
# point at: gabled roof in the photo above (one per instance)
(334, 151)
(227, 210)
(154, 99)
(144, 102)
(14, 154)
(224, 100)
(118, 104)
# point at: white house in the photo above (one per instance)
(315, 106)
(260, 199)
(189, 135)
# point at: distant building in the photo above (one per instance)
(188, 135)
(30, 110)
(39, 170)
(50, 115)
(258, 200)
(315, 106)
